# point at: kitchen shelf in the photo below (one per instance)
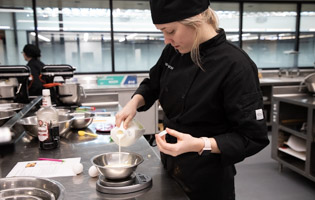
(291, 152)
(312, 167)
(294, 115)
(294, 165)
(292, 131)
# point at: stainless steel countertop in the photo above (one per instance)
(281, 80)
(83, 186)
(264, 81)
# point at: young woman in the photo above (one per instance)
(32, 54)
(210, 94)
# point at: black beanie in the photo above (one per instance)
(166, 11)
(31, 51)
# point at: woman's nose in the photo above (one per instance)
(167, 40)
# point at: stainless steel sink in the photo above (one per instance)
(28, 188)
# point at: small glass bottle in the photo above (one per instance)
(48, 126)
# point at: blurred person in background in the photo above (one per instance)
(32, 55)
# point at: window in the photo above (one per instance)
(90, 36)
(228, 14)
(79, 36)
(137, 43)
(307, 36)
(266, 38)
(16, 19)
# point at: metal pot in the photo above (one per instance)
(7, 91)
(70, 93)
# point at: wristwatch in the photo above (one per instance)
(207, 147)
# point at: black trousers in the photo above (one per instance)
(201, 177)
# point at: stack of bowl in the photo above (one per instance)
(30, 124)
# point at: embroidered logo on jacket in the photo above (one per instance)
(169, 66)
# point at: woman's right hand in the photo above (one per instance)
(129, 111)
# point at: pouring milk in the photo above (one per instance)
(126, 137)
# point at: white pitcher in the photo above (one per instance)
(127, 136)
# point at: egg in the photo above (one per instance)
(77, 168)
(93, 172)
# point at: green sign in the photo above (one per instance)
(110, 80)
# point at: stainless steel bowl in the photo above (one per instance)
(11, 106)
(30, 124)
(82, 120)
(63, 111)
(30, 188)
(115, 165)
(65, 123)
(5, 116)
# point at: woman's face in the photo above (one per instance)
(181, 37)
(25, 57)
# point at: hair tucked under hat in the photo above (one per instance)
(31, 51)
(166, 11)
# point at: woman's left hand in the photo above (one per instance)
(185, 143)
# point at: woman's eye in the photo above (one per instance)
(170, 32)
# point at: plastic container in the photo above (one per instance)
(127, 136)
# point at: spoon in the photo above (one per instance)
(82, 133)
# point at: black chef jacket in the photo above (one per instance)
(223, 100)
(36, 86)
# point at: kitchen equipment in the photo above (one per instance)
(11, 106)
(30, 188)
(115, 165)
(63, 111)
(309, 81)
(65, 122)
(63, 92)
(70, 93)
(120, 180)
(30, 124)
(82, 120)
(16, 91)
(5, 116)
(7, 91)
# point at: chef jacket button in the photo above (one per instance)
(183, 96)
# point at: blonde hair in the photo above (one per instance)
(208, 16)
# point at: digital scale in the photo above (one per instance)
(136, 182)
